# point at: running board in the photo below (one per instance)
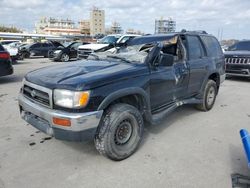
(159, 117)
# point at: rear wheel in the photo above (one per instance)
(209, 96)
(64, 57)
(25, 55)
(120, 132)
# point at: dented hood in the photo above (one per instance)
(83, 75)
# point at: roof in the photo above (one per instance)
(151, 38)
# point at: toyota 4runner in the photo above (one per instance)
(110, 96)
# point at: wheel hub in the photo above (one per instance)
(123, 132)
(210, 96)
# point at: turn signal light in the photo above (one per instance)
(62, 122)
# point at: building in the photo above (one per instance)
(84, 26)
(114, 29)
(133, 31)
(97, 21)
(164, 26)
(53, 26)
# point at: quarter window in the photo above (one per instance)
(195, 50)
(212, 46)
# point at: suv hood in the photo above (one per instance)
(237, 53)
(93, 46)
(84, 75)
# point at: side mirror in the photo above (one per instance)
(166, 60)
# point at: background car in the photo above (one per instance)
(110, 40)
(237, 58)
(5, 62)
(65, 53)
(38, 49)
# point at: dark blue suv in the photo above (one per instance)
(109, 96)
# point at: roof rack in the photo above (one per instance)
(197, 31)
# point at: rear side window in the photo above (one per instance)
(37, 45)
(195, 50)
(212, 45)
(45, 45)
(1, 48)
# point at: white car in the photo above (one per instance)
(109, 40)
(12, 48)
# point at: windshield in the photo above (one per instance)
(108, 40)
(243, 46)
(130, 54)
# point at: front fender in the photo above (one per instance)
(124, 92)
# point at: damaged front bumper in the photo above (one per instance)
(83, 125)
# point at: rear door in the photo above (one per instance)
(36, 49)
(198, 63)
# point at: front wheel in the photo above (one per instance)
(119, 132)
(209, 96)
(65, 57)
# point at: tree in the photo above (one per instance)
(11, 29)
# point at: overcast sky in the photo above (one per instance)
(231, 16)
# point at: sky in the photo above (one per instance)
(231, 18)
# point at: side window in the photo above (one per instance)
(45, 45)
(124, 39)
(195, 49)
(1, 48)
(37, 45)
(212, 45)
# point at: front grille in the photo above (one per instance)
(234, 60)
(84, 52)
(36, 95)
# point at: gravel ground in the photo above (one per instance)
(189, 149)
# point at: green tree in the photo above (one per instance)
(9, 29)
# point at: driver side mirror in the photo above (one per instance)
(165, 60)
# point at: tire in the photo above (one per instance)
(120, 132)
(209, 96)
(25, 55)
(64, 57)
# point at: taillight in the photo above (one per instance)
(4, 55)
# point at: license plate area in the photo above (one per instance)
(37, 122)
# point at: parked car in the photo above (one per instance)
(6, 42)
(65, 53)
(108, 41)
(12, 48)
(237, 59)
(109, 97)
(5, 62)
(38, 49)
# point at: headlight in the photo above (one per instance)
(57, 51)
(71, 99)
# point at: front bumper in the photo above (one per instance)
(54, 56)
(83, 125)
(240, 73)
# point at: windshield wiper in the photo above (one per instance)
(117, 57)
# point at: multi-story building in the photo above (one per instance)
(53, 26)
(164, 26)
(114, 29)
(133, 31)
(97, 21)
(84, 26)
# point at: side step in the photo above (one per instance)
(158, 117)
